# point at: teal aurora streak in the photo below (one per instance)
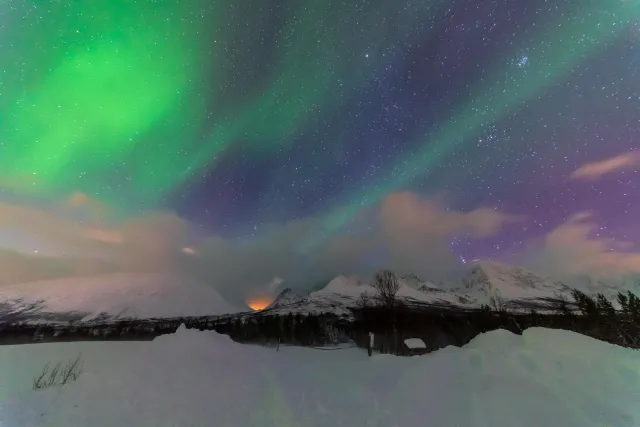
(134, 101)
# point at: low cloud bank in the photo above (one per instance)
(412, 233)
(405, 232)
(574, 248)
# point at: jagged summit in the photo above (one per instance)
(345, 285)
(495, 279)
(483, 282)
(287, 297)
(415, 282)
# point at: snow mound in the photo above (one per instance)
(542, 378)
(414, 343)
(123, 295)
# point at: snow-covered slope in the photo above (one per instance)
(483, 282)
(285, 298)
(491, 279)
(343, 285)
(137, 295)
(122, 295)
(354, 287)
(542, 378)
(609, 286)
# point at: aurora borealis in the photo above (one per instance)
(242, 114)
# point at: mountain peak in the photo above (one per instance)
(496, 279)
(286, 297)
(343, 285)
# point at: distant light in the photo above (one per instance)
(259, 303)
(189, 251)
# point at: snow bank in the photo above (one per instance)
(191, 378)
(125, 294)
(414, 343)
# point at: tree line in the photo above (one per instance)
(274, 329)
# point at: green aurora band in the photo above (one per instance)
(110, 97)
(310, 67)
(556, 55)
(113, 91)
(86, 86)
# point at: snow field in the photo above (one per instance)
(192, 378)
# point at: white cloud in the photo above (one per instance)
(595, 170)
(573, 248)
(412, 231)
(416, 232)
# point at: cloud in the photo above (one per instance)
(78, 199)
(406, 215)
(407, 233)
(416, 232)
(595, 170)
(18, 267)
(146, 242)
(48, 225)
(573, 249)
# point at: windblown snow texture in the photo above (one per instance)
(192, 378)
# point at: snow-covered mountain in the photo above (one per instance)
(285, 298)
(123, 295)
(609, 286)
(483, 283)
(144, 296)
(486, 280)
(348, 286)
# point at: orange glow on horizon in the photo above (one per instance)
(259, 303)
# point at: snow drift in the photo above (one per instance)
(543, 378)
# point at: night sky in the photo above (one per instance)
(240, 114)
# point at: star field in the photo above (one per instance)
(241, 114)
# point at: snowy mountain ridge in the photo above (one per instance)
(285, 298)
(129, 295)
(484, 282)
(120, 295)
(498, 280)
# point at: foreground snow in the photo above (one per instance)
(191, 378)
(121, 295)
